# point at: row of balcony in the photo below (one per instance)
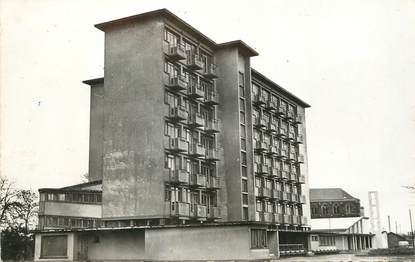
(192, 60)
(267, 193)
(184, 177)
(291, 155)
(282, 111)
(179, 84)
(183, 210)
(277, 173)
(280, 218)
(280, 132)
(180, 114)
(180, 145)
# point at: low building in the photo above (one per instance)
(333, 202)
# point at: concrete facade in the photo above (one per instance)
(176, 145)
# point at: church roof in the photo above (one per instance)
(326, 194)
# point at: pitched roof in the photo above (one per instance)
(321, 194)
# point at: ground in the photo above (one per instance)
(349, 257)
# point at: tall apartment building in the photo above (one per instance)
(192, 152)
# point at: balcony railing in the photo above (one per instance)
(283, 153)
(290, 115)
(294, 198)
(282, 110)
(200, 211)
(212, 126)
(287, 219)
(261, 168)
(276, 194)
(193, 61)
(300, 158)
(284, 174)
(272, 105)
(258, 100)
(213, 183)
(296, 220)
(273, 150)
(299, 139)
(260, 146)
(176, 83)
(272, 127)
(196, 120)
(196, 150)
(198, 180)
(274, 172)
(213, 212)
(210, 71)
(285, 196)
(292, 176)
(176, 52)
(211, 99)
(262, 192)
(299, 119)
(177, 144)
(194, 91)
(260, 123)
(178, 176)
(301, 179)
(178, 113)
(282, 132)
(278, 218)
(291, 136)
(211, 155)
(267, 217)
(180, 209)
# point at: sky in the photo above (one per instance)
(353, 61)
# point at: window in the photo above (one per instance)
(245, 213)
(171, 38)
(243, 158)
(327, 241)
(244, 199)
(244, 186)
(244, 172)
(54, 246)
(255, 91)
(241, 104)
(242, 117)
(314, 238)
(241, 84)
(242, 131)
(258, 238)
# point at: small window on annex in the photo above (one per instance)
(54, 246)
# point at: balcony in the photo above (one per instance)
(178, 176)
(193, 61)
(196, 120)
(211, 99)
(176, 84)
(290, 115)
(278, 218)
(301, 179)
(292, 156)
(178, 113)
(302, 199)
(299, 119)
(299, 139)
(285, 175)
(285, 196)
(194, 91)
(261, 168)
(176, 53)
(200, 212)
(213, 212)
(212, 126)
(287, 219)
(303, 220)
(292, 177)
(196, 150)
(262, 192)
(267, 217)
(283, 153)
(281, 132)
(272, 105)
(260, 123)
(296, 220)
(282, 110)
(274, 172)
(179, 209)
(300, 158)
(177, 145)
(272, 150)
(213, 183)
(258, 100)
(291, 136)
(276, 194)
(272, 128)
(198, 180)
(294, 198)
(212, 155)
(210, 71)
(260, 146)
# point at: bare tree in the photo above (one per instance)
(8, 201)
(27, 209)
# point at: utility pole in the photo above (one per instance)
(412, 230)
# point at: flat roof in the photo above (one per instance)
(329, 194)
(261, 77)
(166, 13)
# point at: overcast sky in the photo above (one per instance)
(353, 61)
